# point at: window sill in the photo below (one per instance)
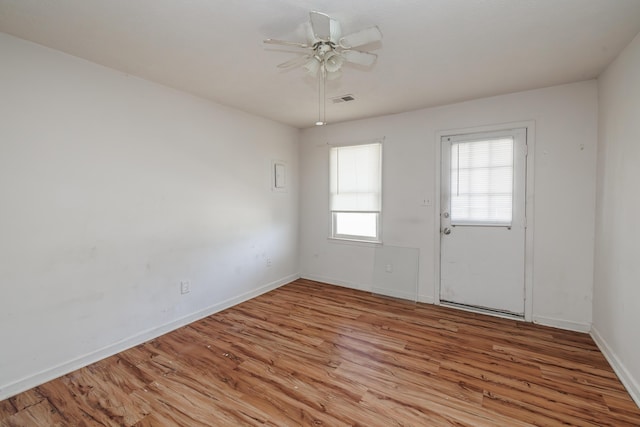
(354, 242)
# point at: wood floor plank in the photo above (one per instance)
(314, 354)
(26, 399)
(6, 409)
(38, 414)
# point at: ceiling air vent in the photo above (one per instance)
(343, 98)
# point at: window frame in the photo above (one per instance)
(356, 237)
(333, 235)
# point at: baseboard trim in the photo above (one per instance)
(343, 283)
(562, 324)
(361, 287)
(426, 299)
(11, 389)
(395, 294)
(621, 371)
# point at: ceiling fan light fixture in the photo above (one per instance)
(333, 62)
(328, 50)
(312, 66)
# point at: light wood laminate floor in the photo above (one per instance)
(314, 354)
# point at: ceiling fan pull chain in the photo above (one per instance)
(321, 97)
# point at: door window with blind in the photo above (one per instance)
(356, 192)
(482, 182)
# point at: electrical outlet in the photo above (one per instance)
(185, 287)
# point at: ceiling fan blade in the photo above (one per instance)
(361, 58)
(295, 62)
(335, 31)
(320, 25)
(286, 43)
(359, 38)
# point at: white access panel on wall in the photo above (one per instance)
(395, 272)
(278, 176)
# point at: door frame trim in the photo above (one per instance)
(529, 125)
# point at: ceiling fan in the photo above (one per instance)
(329, 49)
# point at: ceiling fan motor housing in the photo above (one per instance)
(330, 50)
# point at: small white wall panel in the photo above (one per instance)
(395, 272)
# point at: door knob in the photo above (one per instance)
(446, 231)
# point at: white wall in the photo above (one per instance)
(565, 169)
(113, 190)
(616, 309)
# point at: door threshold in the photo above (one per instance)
(482, 310)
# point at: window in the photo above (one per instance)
(355, 192)
(482, 182)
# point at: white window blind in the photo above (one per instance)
(482, 182)
(355, 191)
(355, 178)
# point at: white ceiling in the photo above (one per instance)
(434, 52)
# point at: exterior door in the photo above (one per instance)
(482, 220)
